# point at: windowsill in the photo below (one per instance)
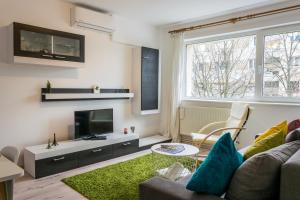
(274, 103)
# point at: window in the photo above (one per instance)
(221, 69)
(258, 65)
(297, 61)
(281, 65)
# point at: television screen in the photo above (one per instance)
(93, 122)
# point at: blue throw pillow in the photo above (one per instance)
(214, 174)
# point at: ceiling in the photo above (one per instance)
(164, 12)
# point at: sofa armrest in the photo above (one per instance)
(158, 188)
(290, 178)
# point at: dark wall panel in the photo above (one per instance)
(150, 79)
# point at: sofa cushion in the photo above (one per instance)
(214, 174)
(265, 144)
(283, 126)
(294, 125)
(293, 135)
(259, 177)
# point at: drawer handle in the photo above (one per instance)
(61, 57)
(46, 55)
(58, 159)
(96, 150)
(126, 144)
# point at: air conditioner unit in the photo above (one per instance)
(85, 18)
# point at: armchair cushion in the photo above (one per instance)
(238, 116)
(214, 174)
(198, 137)
(212, 126)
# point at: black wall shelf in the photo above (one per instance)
(83, 94)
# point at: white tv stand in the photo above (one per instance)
(40, 161)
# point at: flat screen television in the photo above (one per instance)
(91, 123)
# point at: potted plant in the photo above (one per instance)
(48, 86)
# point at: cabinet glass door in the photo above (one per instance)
(35, 42)
(66, 46)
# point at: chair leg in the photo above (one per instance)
(3, 195)
(9, 186)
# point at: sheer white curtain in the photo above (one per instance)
(177, 71)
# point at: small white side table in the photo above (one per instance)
(174, 166)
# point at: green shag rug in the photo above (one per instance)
(116, 182)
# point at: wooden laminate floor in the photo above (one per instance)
(52, 188)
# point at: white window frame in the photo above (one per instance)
(259, 67)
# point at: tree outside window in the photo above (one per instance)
(282, 65)
(221, 69)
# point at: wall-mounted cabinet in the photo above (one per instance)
(146, 81)
(36, 45)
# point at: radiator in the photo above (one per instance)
(193, 118)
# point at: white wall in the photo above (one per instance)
(264, 115)
(135, 33)
(24, 120)
(253, 24)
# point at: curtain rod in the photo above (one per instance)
(238, 19)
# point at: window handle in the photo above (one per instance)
(60, 57)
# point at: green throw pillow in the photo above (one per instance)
(214, 174)
(265, 144)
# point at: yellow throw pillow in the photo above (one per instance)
(269, 142)
(283, 126)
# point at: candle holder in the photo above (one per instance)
(49, 144)
(132, 128)
(54, 140)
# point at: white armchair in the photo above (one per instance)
(210, 133)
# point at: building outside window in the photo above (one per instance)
(279, 54)
(227, 68)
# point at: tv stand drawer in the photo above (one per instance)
(54, 165)
(95, 155)
(124, 148)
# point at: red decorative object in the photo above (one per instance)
(294, 125)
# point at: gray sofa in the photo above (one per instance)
(158, 188)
